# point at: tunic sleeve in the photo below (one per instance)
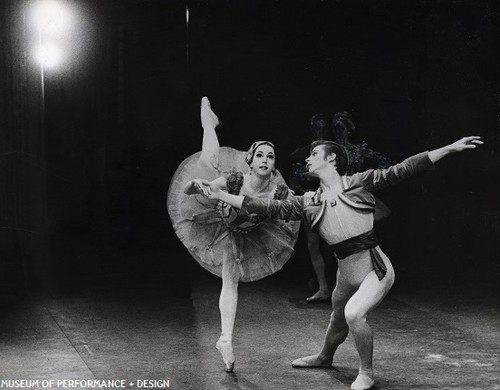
(287, 209)
(375, 179)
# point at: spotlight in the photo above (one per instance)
(48, 55)
(51, 17)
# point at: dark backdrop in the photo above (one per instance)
(83, 190)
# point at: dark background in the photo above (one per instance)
(85, 172)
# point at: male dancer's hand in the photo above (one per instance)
(462, 144)
(212, 191)
(465, 143)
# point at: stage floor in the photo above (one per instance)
(424, 339)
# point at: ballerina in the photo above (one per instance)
(236, 248)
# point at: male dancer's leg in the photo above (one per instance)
(337, 330)
(369, 295)
(318, 263)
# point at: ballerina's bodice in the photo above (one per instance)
(230, 216)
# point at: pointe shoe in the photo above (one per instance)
(208, 117)
(225, 347)
(310, 362)
(362, 382)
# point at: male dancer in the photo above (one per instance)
(342, 212)
(359, 158)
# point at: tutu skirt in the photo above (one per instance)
(215, 235)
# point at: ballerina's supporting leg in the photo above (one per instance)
(210, 145)
(228, 303)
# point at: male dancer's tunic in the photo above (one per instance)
(346, 221)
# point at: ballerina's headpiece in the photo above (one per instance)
(253, 148)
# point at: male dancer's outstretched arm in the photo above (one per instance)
(376, 179)
(292, 208)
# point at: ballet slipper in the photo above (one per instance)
(225, 347)
(208, 117)
(319, 297)
(311, 362)
(362, 382)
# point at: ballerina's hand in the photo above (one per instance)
(465, 143)
(197, 186)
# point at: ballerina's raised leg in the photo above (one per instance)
(228, 300)
(210, 144)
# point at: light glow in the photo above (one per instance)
(48, 55)
(51, 17)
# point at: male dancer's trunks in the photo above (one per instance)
(365, 241)
(349, 230)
